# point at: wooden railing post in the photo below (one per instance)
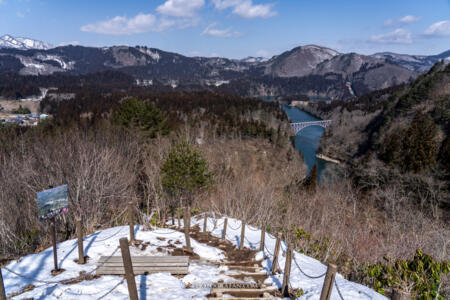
(205, 222)
(128, 266)
(224, 232)
(400, 295)
(287, 272)
(186, 228)
(79, 230)
(131, 221)
(328, 282)
(241, 244)
(263, 238)
(276, 252)
(2, 287)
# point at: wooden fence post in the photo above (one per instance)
(328, 282)
(224, 232)
(276, 252)
(131, 221)
(179, 217)
(186, 228)
(205, 222)
(128, 266)
(400, 295)
(287, 271)
(241, 244)
(79, 230)
(263, 238)
(2, 287)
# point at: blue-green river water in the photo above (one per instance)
(307, 140)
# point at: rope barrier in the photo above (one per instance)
(104, 239)
(113, 220)
(249, 227)
(309, 276)
(110, 291)
(257, 243)
(234, 228)
(272, 254)
(337, 288)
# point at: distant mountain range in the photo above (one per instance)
(310, 70)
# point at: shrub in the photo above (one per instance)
(422, 273)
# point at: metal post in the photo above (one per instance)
(224, 232)
(186, 228)
(263, 238)
(128, 267)
(276, 252)
(55, 253)
(131, 221)
(241, 244)
(2, 287)
(287, 271)
(80, 242)
(328, 282)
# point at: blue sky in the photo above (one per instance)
(235, 28)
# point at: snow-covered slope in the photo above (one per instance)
(35, 268)
(8, 41)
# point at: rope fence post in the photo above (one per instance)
(328, 282)
(224, 231)
(263, 237)
(2, 287)
(400, 295)
(287, 271)
(128, 266)
(241, 244)
(205, 222)
(186, 228)
(81, 260)
(131, 221)
(276, 252)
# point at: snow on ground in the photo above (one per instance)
(37, 267)
(310, 266)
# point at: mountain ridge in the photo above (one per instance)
(311, 69)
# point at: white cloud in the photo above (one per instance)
(122, 25)
(211, 30)
(441, 28)
(246, 8)
(409, 19)
(180, 8)
(398, 36)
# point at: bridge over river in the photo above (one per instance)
(296, 127)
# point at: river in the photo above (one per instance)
(307, 140)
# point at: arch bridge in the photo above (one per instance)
(296, 127)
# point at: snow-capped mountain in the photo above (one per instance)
(8, 41)
(300, 61)
(419, 63)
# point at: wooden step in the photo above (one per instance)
(243, 293)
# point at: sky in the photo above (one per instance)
(235, 28)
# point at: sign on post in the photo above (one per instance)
(52, 202)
